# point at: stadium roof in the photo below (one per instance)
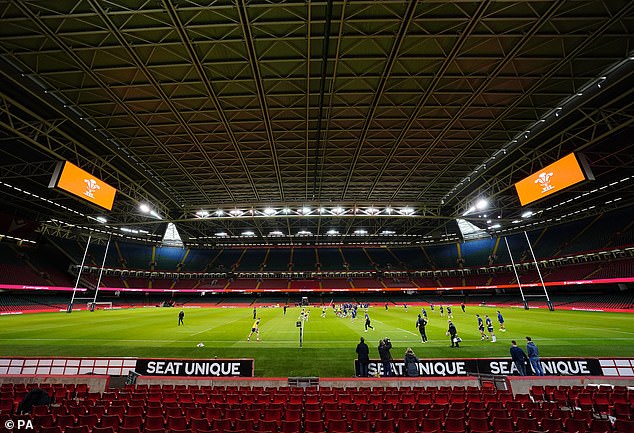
(314, 121)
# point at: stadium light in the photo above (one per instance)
(388, 232)
(248, 233)
(235, 212)
(222, 234)
(269, 211)
(286, 210)
(276, 233)
(360, 232)
(337, 210)
(372, 211)
(481, 204)
(101, 219)
(220, 212)
(306, 210)
(527, 214)
(407, 211)
(144, 207)
(304, 233)
(202, 214)
(322, 210)
(332, 232)
(389, 210)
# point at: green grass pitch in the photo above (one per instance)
(329, 343)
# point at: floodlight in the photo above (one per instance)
(101, 219)
(269, 211)
(482, 204)
(360, 232)
(527, 214)
(276, 233)
(248, 233)
(221, 234)
(143, 207)
(202, 213)
(332, 232)
(337, 210)
(305, 210)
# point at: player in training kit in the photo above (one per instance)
(481, 328)
(501, 320)
(424, 313)
(420, 324)
(323, 311)
(181, 316)
(367, 323)
(442, 311)
(255, 329)
(449, 315)
(489, 324)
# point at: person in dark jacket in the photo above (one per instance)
(533, 357)
(519, 358)
(363, 355)
(35, 397)
(420, 324)
(453, 334)
(181, 316)
(411, 363)
(385, 346)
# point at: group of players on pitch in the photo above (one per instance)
(343, 310)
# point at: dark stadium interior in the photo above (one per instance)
(358, 151)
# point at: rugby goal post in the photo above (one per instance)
(99, 305)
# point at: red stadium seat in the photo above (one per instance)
(600, 426)
(248, 425)
(294, 426)
(337, 425)
(478, 424)
(198, 424)
(551, 424)
(175, 422)
(502, 424)
(407, 425)
(624, 426)
(455, 425)
(313, 426)
(77, 429)
(384, 425)
(103, 430)
(576, 425)
(431, 425)
(526, 424)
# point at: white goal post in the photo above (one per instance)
(100, 305)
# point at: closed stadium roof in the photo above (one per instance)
(314, 121)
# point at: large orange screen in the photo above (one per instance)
(551, 179)
(84, 185)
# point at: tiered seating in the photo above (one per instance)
(278, 259)
(304, 259)
(357, 259)
(226, 259)
(330, 259)
(476, 253)
(383, 259)
(168, 259)
(197, 409)
(252, 260)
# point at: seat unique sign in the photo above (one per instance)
(82, 184)
(561, 174)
